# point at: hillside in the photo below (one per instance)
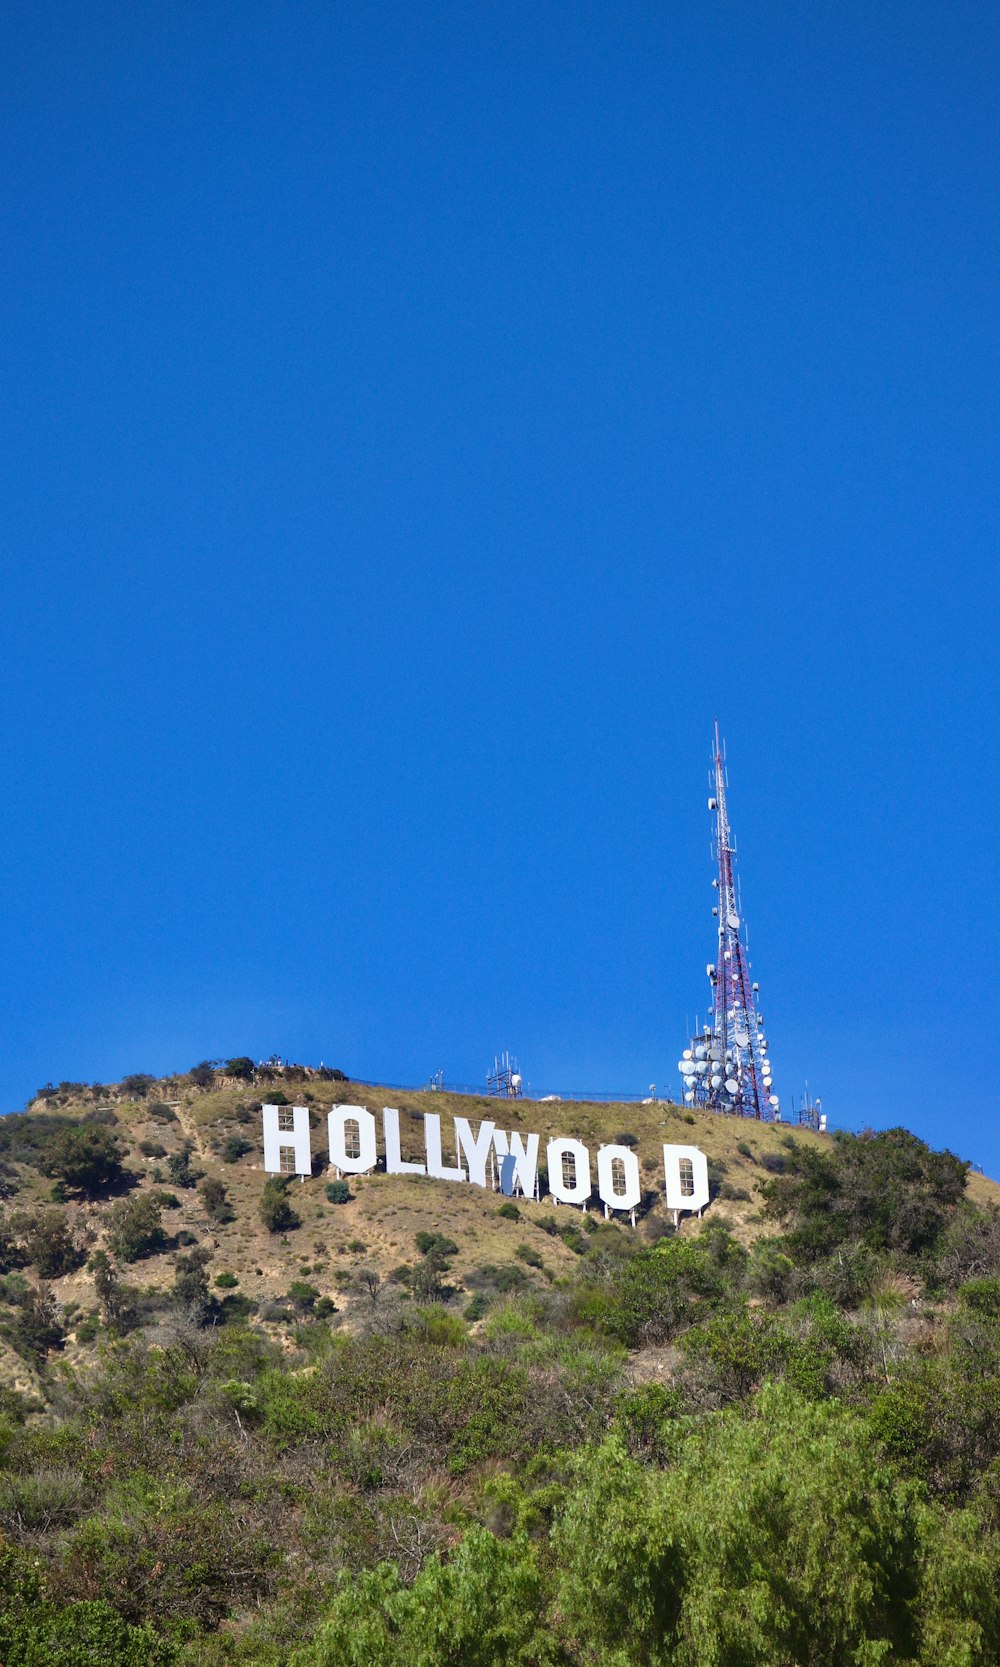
(245, 1423)
(335, 1244)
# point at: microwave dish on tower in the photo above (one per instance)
(727, 1066)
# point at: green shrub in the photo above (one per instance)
(88, 1158)
(572, 1237)
(437, 1326)
(34, 1328)
(49, 1243)
(276, 1211)
(435, 1244)
(135, 1227)
(216, 1201)
(503, 1277)
(226, 1281)
(84, 1634)
(180, 1170)
(886, 1190)
(509, 1211)
(235, 1147)
(338, 1192)
(242, 1067)
(137, 1086)
(191, 1291)
(654, 1293)
(302, 1293)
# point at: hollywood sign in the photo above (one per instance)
(485, 1156)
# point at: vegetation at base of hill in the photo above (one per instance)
(692, 1449)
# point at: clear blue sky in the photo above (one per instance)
(419, 423)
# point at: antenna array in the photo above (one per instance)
(726, 1067)
(504, 1081)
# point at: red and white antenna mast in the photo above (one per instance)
(726, 1068)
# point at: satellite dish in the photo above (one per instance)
(732, 1086)
(716, 1082)
(687, 1053)
(774, 1101)
(689, 1098)
(742, 1038)
(733, 919)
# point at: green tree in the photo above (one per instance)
(235, 1147)
(888, 1190)
(12, 1252)
(484, 1605)
(216, 1200)
(191, 1285)
(87, 1157)
(180, 1170)
(49, 1243)
(35, 1631)
(35, 1328)
(107, 1284)
(649, 1297)
(768, 1541)
(135, 1227)
(242, 1067)
(137, 1085)
(276, 1211)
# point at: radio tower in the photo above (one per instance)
(726, 1068)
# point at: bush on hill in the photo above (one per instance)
(135, 1227)
(276, 1209)
(48, 1243)
(889, 1191)
(85, 1157)
(137, 1086)
(242, 1067)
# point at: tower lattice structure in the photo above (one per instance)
(726, 1067)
